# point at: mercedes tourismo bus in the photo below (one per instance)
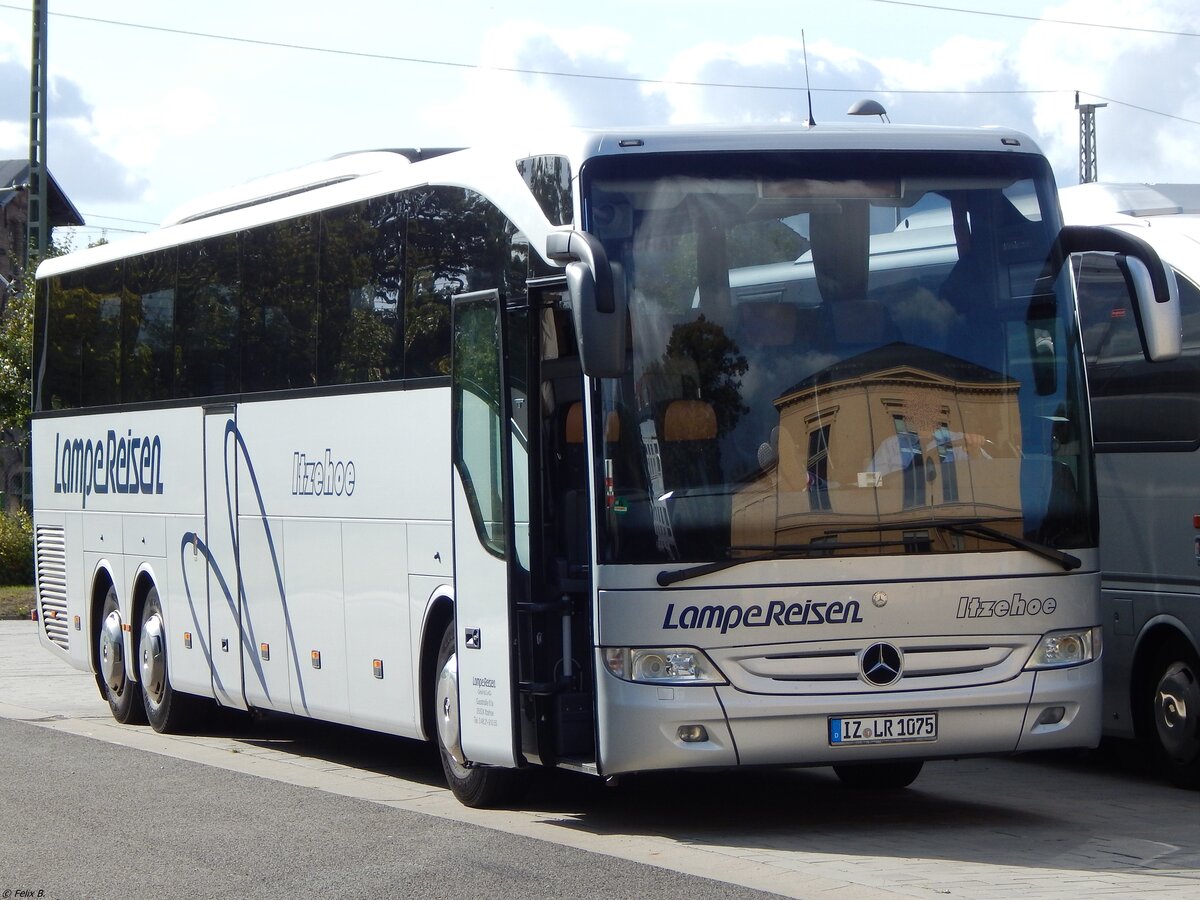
(546, 455)
(1146, 419)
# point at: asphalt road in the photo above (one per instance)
(283, 808)
(85, 819)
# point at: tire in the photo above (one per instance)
(474, 786)
(124, 696)
(1174, 715)
(890, 776)
(167, 711)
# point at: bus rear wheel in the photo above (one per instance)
(889, 776)
(474, 786)
(167, 711)
(124, 695)
(1175, 716)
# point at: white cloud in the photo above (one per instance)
(958, 64)
(85, 169)
(14, 141)
(966, 80)
(170, 115)
(1155, 71)
(504, 102)
(135, 134)
(766, 61)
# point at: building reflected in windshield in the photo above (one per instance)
(888, 437)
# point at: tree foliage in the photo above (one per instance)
(16, 353)
(719, 367)
(16, 548)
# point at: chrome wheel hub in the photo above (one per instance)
(153, 662)
(112, 653)
(1176, 710)
(446, 705)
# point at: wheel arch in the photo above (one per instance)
(1158, 636)
(143, 581)
(102, 580)
(439, 612)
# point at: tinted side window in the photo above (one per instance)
(433, 276)
(357, 294)
(148, 328)
(100, 317)
(279, 305)
(1134, 401)
(58, 343)
(549, 180)
(457, 242)
(362, 266)
(207, 347)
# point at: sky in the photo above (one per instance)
(153, 104)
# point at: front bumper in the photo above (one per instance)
(639, 723)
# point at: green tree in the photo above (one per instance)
(16, 353)
(719, 367)
(16, 548)
(16, 348)
(16, 358)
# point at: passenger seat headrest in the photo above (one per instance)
(689, 420)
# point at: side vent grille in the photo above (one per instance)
(51, 548)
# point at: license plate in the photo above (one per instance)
(886, 728)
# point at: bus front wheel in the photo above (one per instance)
(474, 786)
(124, 695)
(1175, 714)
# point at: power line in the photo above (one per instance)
(1145, 109)
(1039, 19)
(119, 219)
(632, 79)
(513, 70)
(106, 229)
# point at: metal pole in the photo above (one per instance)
(1088, 164)
(39, 216)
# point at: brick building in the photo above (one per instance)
(14, 213)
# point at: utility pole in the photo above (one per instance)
(39, 215)
(1088, 171)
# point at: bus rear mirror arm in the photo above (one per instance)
(596, 290)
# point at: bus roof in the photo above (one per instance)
(1100, 198)
(1166, 216)
(491, 170)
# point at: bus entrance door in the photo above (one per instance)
(485, 532)
(220, 538)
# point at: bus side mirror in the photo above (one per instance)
(596, 290)
(1159, 323)
(1152, 287)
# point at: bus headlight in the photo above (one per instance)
(1058, 649)
(662, 665)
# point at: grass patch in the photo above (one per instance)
(16, 601)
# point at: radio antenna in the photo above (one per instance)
(804, 45)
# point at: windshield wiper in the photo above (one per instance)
(973, 527)
(782, 551)
(976, 528)
(1067, 560)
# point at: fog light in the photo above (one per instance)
(692, 734)
(1052, 715)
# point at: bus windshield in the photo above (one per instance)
(838, 354)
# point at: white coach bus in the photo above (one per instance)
(1146, 418)
(544, 456)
